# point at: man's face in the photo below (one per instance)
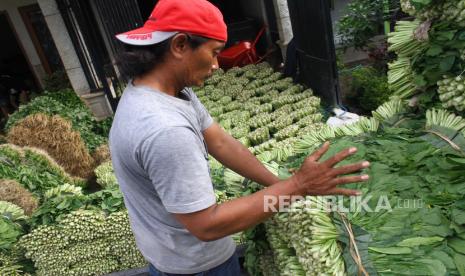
(202, 61)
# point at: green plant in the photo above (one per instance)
(106, 175)
(58, 80)
(362, 21)
(56, 208)
(424, 234)
(109, 200)
(67, 97)
(370, 86)
(9, 231)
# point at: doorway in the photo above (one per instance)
(41, 38)
(13, 60)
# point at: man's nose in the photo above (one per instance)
(215, 64)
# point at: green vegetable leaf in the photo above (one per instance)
(391, 250)
(446, 35)
(446, 63)
(436, 267)
(419, 4)
(457, 160)
(461, 35)
(417, 241)
(458, 216)
(459, 260)
(444, 258)
(64, 204)
(419, 80)
(457, 244)
(434, 50)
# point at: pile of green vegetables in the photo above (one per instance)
(430, 52)
(33, 170)
(412, 220)
(59, 198)
(263, 110)
(68, 105)
(256, 105)
(84, 242)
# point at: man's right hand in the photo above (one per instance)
(322, 178)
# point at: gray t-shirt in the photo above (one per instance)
(161, 163)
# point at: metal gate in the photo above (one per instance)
(92, 26)
(117, 16)
(316, 55)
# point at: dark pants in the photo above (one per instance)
(229, 268)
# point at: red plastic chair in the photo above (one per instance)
(241, 54)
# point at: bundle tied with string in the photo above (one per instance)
(55, 136)
(353, 247)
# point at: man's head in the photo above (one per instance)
(186, 34)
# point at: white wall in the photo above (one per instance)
(283, 21)
(336, 14)
(11, 7)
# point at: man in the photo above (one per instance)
(161, 137)
(4, 98)
(16, 88)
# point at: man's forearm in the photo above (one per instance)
(312, 178)
(238, 158)
(245, 212)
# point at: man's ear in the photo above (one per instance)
(179, 45)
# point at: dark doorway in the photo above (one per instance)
(41, 37)
(13, 61)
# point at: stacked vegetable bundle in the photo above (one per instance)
(85, 242)
(430, 52)
(260, 108)
(67, 105)
(263, 110)
(452, 10)
(303, 240)
(452, 92)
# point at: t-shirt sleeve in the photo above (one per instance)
(178, 169)
(205, 119)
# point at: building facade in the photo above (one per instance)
(77, 37)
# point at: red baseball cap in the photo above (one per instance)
(197, 17)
